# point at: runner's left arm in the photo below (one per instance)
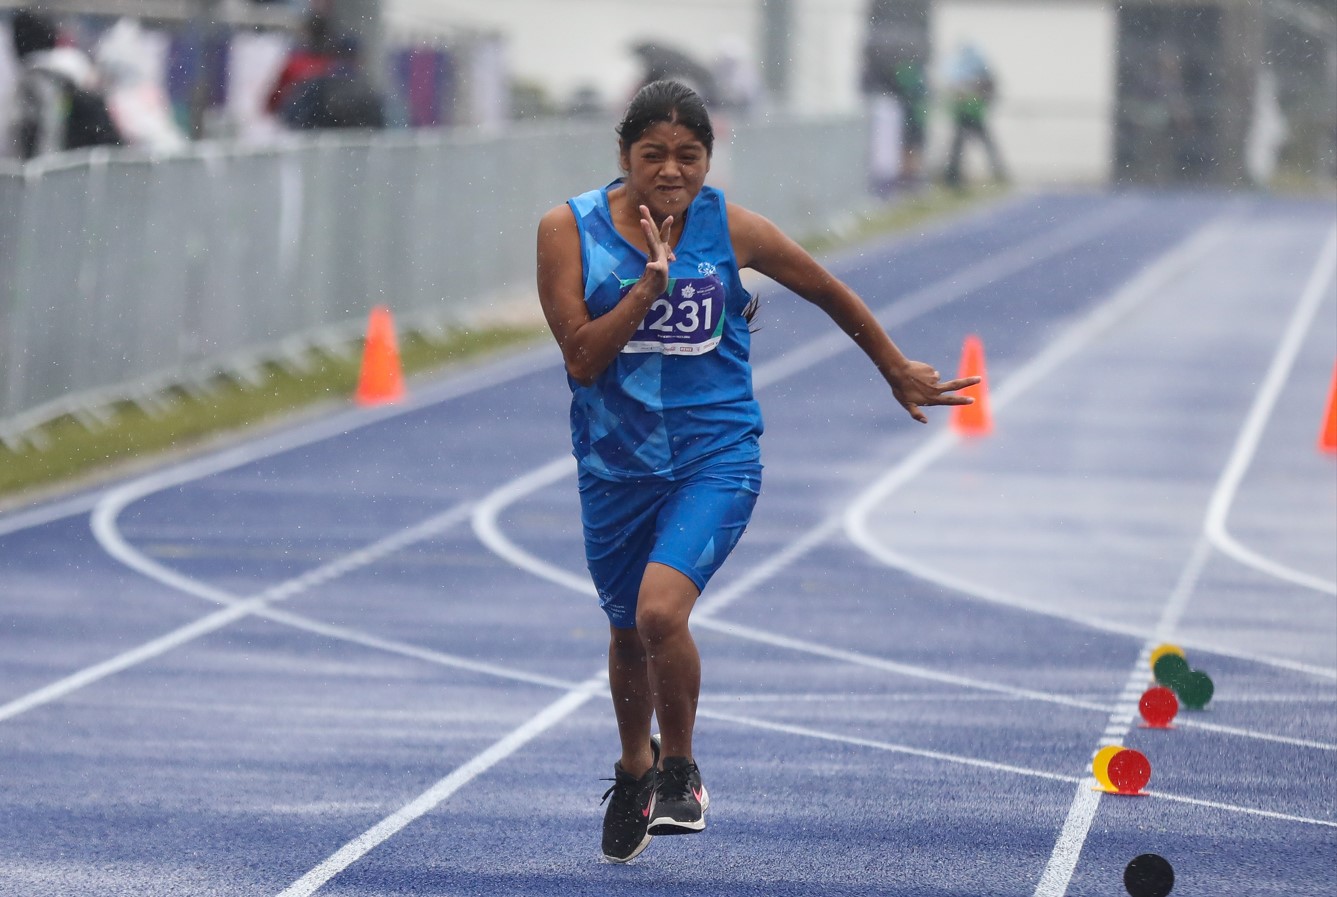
(763, 247)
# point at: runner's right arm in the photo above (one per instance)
(589, 345)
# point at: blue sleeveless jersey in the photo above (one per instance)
(680, 392)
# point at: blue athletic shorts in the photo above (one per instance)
(690, 525)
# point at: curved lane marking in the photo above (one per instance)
(1067, 850)
(1315, 291)
(993, 766)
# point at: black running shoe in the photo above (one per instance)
(629, 811)
(680, 799)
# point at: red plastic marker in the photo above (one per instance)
(1158, 707)
(1129, 771)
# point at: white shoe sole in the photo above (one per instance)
(666, 825)
(645, 842)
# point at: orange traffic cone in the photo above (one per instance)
(1327, 436)
(381, 380)
(973, 420)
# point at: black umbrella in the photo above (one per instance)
(662, 61)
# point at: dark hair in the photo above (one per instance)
(33, 33)
(665, 101)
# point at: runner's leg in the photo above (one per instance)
(674, 664)
(628, 678)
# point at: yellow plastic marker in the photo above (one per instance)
(1101, 766)
(1161, 650)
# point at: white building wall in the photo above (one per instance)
(828, 39)
(1055, 69)
(1054, 61)
(569, 44)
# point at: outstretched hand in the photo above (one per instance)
(920, 385)
(659, 252)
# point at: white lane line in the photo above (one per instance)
(486, 526)
(1146, 285)
(935, 695)
(1059, 871)
(935, 295)
(1273, 697)
(1234, 808)
(993, 595)
(1152, 281)
(857, 519)
(1084, 785)
(147, 651)
(1031, 252)
(855, 658)
(466, 380)
(1296, 666)
(930, 696)
(1122, 712)
(766, 569)
(19, 519)
(424, 803)
(405, 649)
(1068, 849)
(110, 507)
(489, 531)
(943, 292)
(881, 697)
(1259, 736)
(110, 504)
(512, 365)
(1149, 283)
(1063, 861)
(104, 525)
(1320, 278)
(49, 513)
(491, 535)
(958, 759)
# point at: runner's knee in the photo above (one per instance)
(659, 621)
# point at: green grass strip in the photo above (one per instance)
(72, 450)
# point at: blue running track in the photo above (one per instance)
(360, 656)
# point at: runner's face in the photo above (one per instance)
(665, 169)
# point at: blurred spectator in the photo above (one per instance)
(313, 57)
(1181, 128)
(1268, 130)
(893, 79)
(342, 97)
(136, 98)
(972, 88)
(60, 105)
(257, 56)
(661, 61)
(9, 81)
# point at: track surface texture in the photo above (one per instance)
(361, 656)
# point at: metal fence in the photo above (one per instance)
(122, 275)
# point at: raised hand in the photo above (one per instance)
(658, 252)
(920, 385)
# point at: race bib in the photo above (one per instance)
(687, 319)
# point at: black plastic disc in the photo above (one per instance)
(1149, 875)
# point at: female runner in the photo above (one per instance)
(639, 282)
